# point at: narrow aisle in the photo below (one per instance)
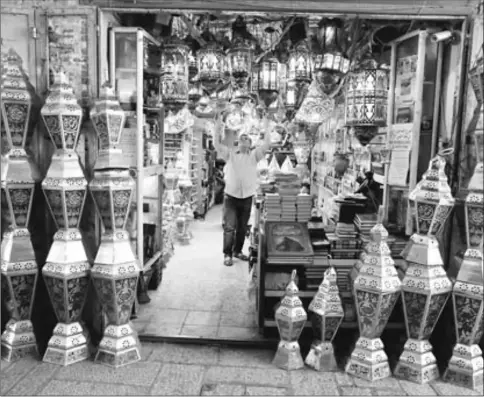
(199, 296)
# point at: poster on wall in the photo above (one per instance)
(405, 89)
(401, 136)
(399, 167)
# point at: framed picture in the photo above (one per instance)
(288, 239)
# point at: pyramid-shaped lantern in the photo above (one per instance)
(376, 290)
(466, 364)
(287, 167)
(290, 318)
(326, 313)
(273, 166)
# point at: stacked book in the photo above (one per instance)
(272, 207)
(287, 184)
(314, 274)
(344, 242)
(364, 223)
(397, 245)
(288, 207)
(304, 205)
(346, 231)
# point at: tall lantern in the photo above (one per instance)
(174, 74)
(466, 364)
(240, 62)
(326, 311)
(267, 79)
(375, 291)
(116, 269)
(18, 264)
(299, 63)
(366, 100)
(290, 319)
(211, 65)
(426, 286)
(66, 271)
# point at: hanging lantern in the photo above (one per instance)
(316, 107)
(116, 269)
(375, 290)
(195, 93)
(326, 312)
(267, 81)
(174, 74)
(466, 364)
(19, 269)
(426, 286)
(290, 318)
(476, 77)
(240, 61)
(366, 100)
(299, 63)
(192, 66)
(211, 65)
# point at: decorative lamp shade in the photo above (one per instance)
(16, 104)
(431, 199)
(174, 72)
(299, 63)
(291, 95)
(62, 114)
(367, 95)
(474, 209)
(476, 76)
(326, 309)
(211, 63)
(108, 119)
(240, 61)
(302, 150)
(328, 32)
(268, 79)
(17, 197)
(316, 108)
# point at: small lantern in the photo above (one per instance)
(466, 364)
(211, 65)
(174, 74)
(299, 63)
(326, 313)
(290, 318)
(66, 272)
(375, 291)
(426, 286)
(240, 61)
(19, 269)
(267, 80)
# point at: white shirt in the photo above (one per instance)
(241, 171)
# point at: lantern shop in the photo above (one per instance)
(362, 246)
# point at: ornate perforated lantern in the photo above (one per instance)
(290, 319)
(174, 74)
(266, 79)
(240, 61)
(299, 63)
(326, 314)
(116, 269)
(66, 272)
(211, 65)
(366, 100)
(426, 286)
(19, 269)
(375, 291)
(466, 364)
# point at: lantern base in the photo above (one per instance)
(465, 367)
(18, 340)
(69, 344)
(119, 346)
(321, 357)
(369, 361)
(417, 362)
(288, 356)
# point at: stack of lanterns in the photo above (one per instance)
(66, 272)
(18, 264)
(426, 286)
(116, 269)
(466, 365)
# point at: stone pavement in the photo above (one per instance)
(169, 369)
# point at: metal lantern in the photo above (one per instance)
(66, 272)
(316, 107)
(299, 63)
(326, 313)
(366, 100)
(18, 264)
(466, 364)
(267, 79)
(240, 61)
(290, 319)
(116, 269)
(375, 291)
(211, 65)
(426, 286)
(174, 74)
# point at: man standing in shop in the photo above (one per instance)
(240, 186)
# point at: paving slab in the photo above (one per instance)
(33, 382)
(178, 380)
(73, 388)
(223, 390)
(246, 358)
(386, 383)
(355, 391)
(16, 371)
(415, 389)
(265, 391)
(247, 376)
(196, 317)
(447, 389)
(312, 383)
(185, 354)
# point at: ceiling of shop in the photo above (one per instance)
(396, 8)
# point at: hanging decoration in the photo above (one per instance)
(426, 286)
(19, 268)
(366, 100)
(466, 364)
(375, 291)
(316, 108)
(290, 318)
(116, 269)
(326, 313)
(240, 59)
(266, 79)
(211, 64)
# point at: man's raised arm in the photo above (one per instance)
(221, 149)
(260, 151)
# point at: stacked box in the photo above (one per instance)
(272, 207)
(288, 208)
(304, 203)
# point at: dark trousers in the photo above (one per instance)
(236, 217)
